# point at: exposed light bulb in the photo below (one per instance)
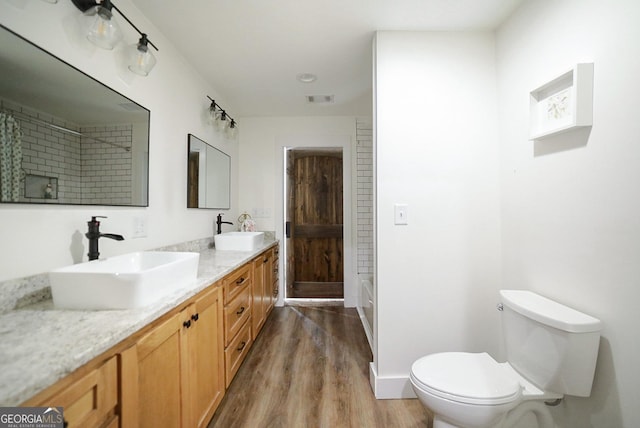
(211, 113)
(103, 31)
(232, 130)
(142, 60)
(222, 122)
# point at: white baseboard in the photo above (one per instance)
(389, 388)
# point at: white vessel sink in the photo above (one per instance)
(128, 281)
(239, 241)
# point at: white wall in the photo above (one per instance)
(262, 141)
(36, 238)
(436, 149)
(571, 206)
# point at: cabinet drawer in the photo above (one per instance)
(236, 351)
(91, 400)
(236, 282)
(236, 314)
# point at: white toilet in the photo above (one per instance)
(551, 351)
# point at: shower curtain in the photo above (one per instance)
(10, 158)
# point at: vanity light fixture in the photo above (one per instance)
(141, 58)
(220, 118)
(215, 113)
(102, 30)
(232, 130)
(221, 121)
(105, 32)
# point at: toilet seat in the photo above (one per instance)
(470, 378)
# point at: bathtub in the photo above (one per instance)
(365, 305)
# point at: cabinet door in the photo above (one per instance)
(258, 309)
(269, 275)
(206, 371)
(153, 382)
(275, 276)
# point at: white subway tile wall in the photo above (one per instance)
(107, 169)
(364, 192)
(87, 171)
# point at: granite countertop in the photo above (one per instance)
(40, 345)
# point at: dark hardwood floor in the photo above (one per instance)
(309, 367)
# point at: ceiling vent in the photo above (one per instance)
(319, 99)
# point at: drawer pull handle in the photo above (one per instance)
(195, 317)
(241, 347)
(187, 323)
(266, 259)
(240, 281)
(240, 311)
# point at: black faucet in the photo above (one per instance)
(219, 224)
(94, 234)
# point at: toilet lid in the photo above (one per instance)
(465, 377)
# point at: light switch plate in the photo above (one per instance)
(139, 227)
(401, 214)
(260, 213)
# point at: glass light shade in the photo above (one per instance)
(212, 114)
(232, 130)
(102, 30)
(141, 59)
(222, 122)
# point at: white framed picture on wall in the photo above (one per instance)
(562, 104)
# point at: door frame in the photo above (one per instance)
(344, 142)
(291, 155)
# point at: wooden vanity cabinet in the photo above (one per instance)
(274, 280)
(258, 294)
(173, 372)
(236, 282)
(264, 295)
(173, 375)
(236, 314)
(152, 377)
(238, 311)
(90, 400)
(207, 368)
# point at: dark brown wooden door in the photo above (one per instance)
(192, 180)
(316, 228)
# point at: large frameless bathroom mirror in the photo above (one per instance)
(209, 180)
(65, 137)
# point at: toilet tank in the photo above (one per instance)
(552, 345)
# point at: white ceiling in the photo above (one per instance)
(252, 50)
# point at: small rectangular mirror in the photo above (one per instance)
(208, 181)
